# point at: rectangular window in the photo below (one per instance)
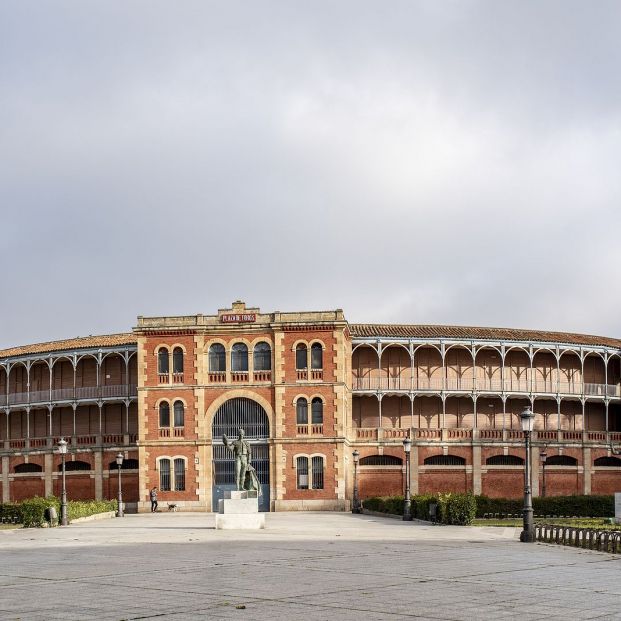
(179, 475)
(317, 472)
(165, 475)
(302, 468)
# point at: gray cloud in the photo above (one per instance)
(424, 162)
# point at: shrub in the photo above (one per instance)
(579, 506)
(11, 511)
(385, 504)
(84, 508)
(460, 509)
(33, 510)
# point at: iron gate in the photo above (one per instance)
(252, 418)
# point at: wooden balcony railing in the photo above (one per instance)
(51, 442)
(485, 435)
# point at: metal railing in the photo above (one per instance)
(435, 384)
(70, 394)
(89, 440)
(589, 538)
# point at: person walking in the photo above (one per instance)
(153, 496)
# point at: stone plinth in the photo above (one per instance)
(239, 510)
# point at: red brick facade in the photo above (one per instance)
(154, 395)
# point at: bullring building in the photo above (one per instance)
(308, 388)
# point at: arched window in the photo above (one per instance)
(610, 461)
(445, 460)
(72, 466)
(262, 357)
(381, 460)
(25, 468)
(561, 460)
(302, 472)
(301, 411)
(317, 472)
(301, 357)
(162, 361)
(217, 358)
(178, 413)
(165, 475)
(317, 411)
(177, 360)
(504, 460)
(316, 356)
(179, 475)
(164, 414)
(239, 357)
(128, 464)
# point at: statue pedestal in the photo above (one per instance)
(239, 510)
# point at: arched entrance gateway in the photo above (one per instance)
(250, 416)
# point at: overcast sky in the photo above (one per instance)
(414, 162)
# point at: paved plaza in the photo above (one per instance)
(327, 566)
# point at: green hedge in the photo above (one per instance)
(463, 508)
(571, 506)
(32, 512)
(452, 508)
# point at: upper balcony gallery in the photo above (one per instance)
(89, 369)
(453, 360)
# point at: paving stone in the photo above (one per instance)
(303, 565)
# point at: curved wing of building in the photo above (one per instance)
(308, 388)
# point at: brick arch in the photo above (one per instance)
(232, 394)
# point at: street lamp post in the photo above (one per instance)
(356, 508)
(119, 463)
(528, 533)
(407, 504)
(62, 449)
(543, 456)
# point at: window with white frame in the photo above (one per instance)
(309, 478)
(177, 360)
(301, 411)
(164, 411)
(179, 474)
(301, 357)
(172, 474)
(262, 357)
(162, 361)
(178, 414)
(217, 358)
(165, 475)
(317, 411)
(316, 356)
(302, 472)
(317, 464)
(239, 358)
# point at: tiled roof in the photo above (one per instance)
(368, 330)
(82, 342)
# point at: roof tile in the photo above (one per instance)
(362, 330)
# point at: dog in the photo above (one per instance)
(172, 506)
